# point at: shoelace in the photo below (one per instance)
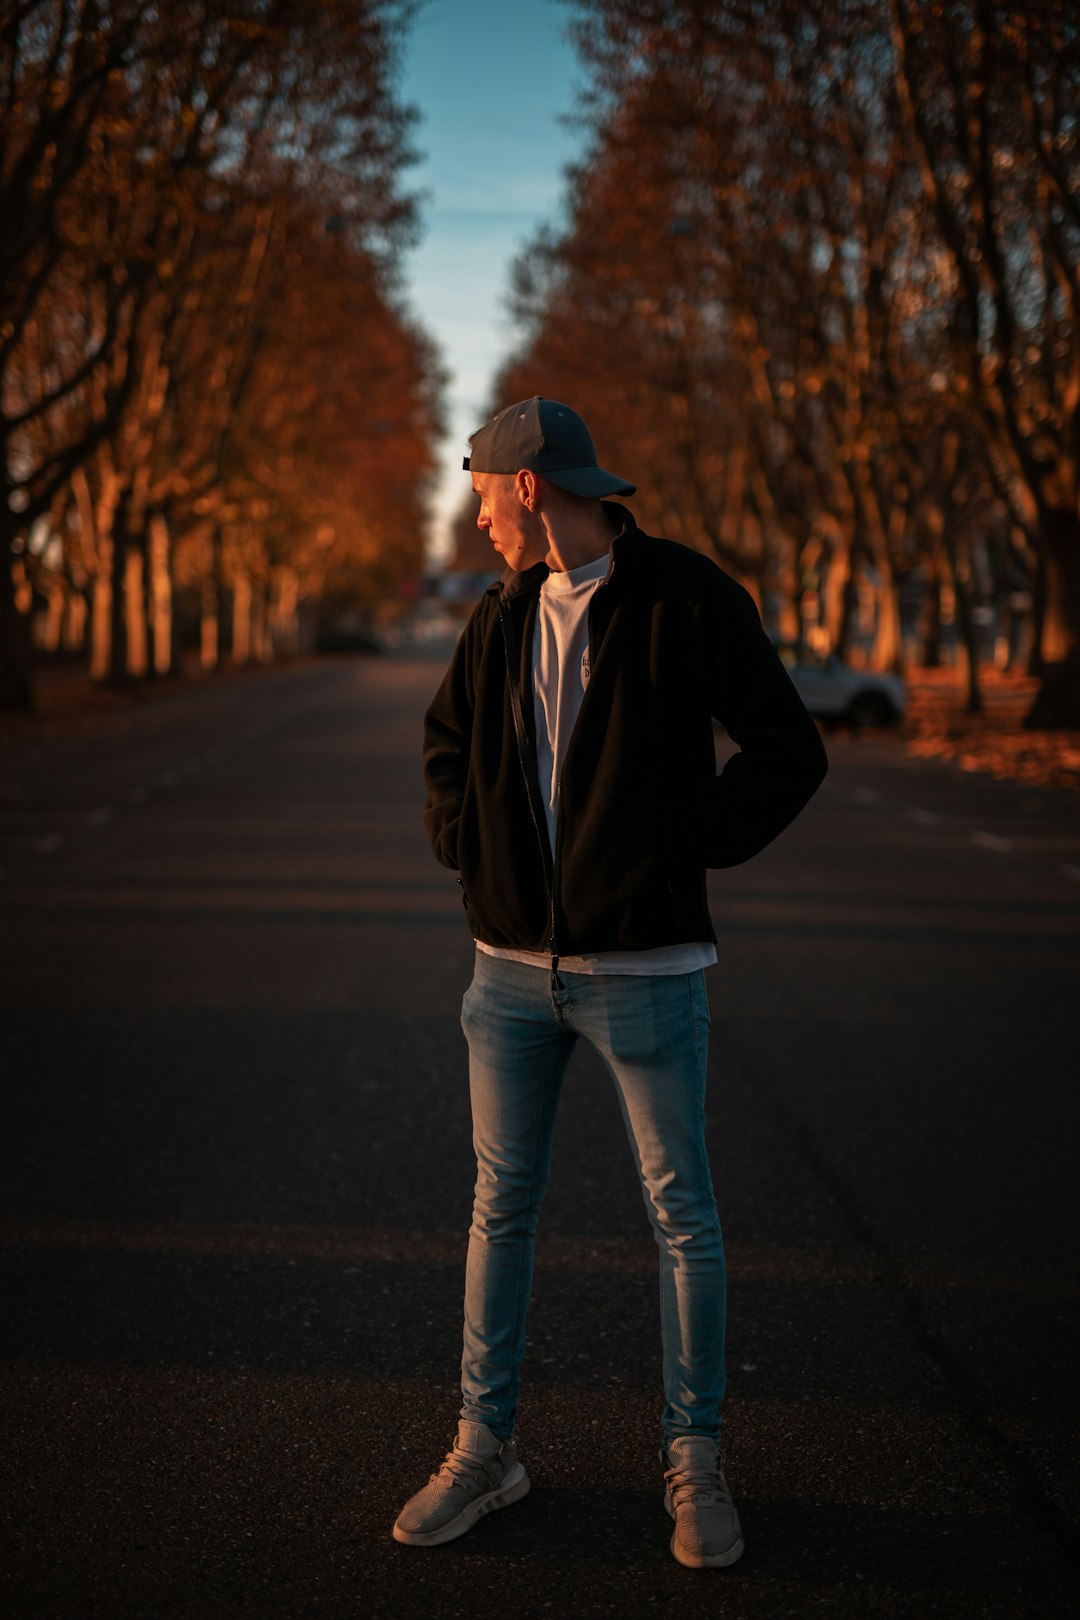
(693, 1482)
(461, 1468)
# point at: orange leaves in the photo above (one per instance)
(182, 331)
(995, 742)
(821, 275)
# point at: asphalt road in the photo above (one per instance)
(236, 1179)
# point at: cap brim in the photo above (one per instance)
(590, 481)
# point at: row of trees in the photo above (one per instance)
(818, 291)
(211, 395)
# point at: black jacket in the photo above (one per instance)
(674, 644)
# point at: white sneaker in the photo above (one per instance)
(708, 1534)
(480, 1474)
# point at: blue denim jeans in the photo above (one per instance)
(522, 1023)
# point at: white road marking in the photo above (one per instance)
(925, 818)
(986, 840)
(49, 844)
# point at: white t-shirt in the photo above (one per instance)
(560, 659)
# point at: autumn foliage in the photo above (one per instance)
(818, 294)
(212, 401)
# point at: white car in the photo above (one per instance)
(832, 690)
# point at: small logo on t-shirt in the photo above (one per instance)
(585, 669)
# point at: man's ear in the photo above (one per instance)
(527, 486)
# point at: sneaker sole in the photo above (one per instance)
(714, 1561)
(516, 1485)
(704, 1560)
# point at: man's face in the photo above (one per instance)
(516, 532)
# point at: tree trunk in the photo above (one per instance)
(969, 643)
(1061, 612)
(789, 616)
(284, 616)
(75, 618)
(135, 627)
(16, 643)
(888, 652)
(930, 656)
(105, 593)
(242, 610)
(117, 672)
(836, 576)
(1057, 702)
(53, 628)
(160, 596)
(1017, 628)
(261, 645)
(210, 639)
(849, 606)
(101, 612)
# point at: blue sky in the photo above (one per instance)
(491, 79)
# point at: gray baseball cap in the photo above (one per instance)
(547, 438)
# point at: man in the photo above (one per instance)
(572, 785)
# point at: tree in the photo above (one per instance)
(155, 164)
(823, 258)
(988, 94)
